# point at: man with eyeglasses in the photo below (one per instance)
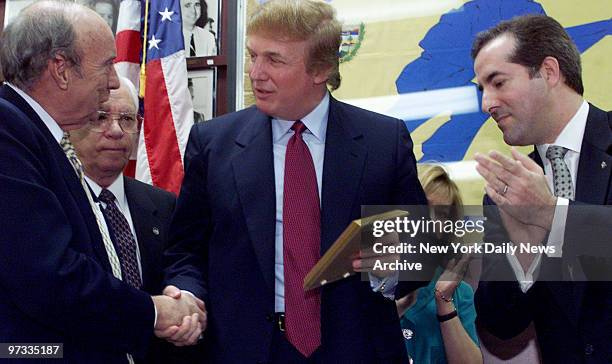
(104, 147)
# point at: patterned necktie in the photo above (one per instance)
(562, 178)
(78, 168)
(113, 259)
(125, 240)
(301, 244)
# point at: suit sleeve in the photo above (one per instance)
(407, 191)
(185, 257)
(41, 273)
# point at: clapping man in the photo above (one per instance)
(529, 71)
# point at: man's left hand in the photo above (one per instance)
(517, 185)
(366, 259)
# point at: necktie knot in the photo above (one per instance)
(106, 196)
(555, 152)
(562, 178)
(298, 127)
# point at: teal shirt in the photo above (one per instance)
(421, 328)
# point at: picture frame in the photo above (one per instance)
(202, 87)
(201, 27)
(107, 9)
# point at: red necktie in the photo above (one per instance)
(301, 244)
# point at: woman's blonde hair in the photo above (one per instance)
(435, 180)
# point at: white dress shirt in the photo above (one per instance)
(570, 138)
(314, 137)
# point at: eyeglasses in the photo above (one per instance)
(128, 122)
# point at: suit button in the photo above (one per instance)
(270, 317)
(588, 349)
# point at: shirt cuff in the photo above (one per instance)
(525, 279)
(155, 321)
(557, 229)
(386, 285)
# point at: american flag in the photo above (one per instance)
(168, 110)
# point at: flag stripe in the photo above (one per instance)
(129, 16)
(160, 137)
(129, 46)
(179, 96)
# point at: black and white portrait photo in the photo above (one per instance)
(200, 27)
(202, 90)
(107, 9)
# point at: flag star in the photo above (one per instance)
(166, 15)
(154, 42)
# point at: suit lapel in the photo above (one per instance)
(561, 291)
(67, 171)
(594, 172)
(592, 187)
(253, 168)
(144, 217)
(595, 166)
(343, 166)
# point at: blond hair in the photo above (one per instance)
(435, 180)
(303, 20)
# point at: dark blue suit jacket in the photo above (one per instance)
(55, 279)
(222, 233)
(573, 320)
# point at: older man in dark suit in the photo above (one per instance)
(268, 189)
(61, 277)
(104, 147)
(529, 70)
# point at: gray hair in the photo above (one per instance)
(131, 89)
(39, 33)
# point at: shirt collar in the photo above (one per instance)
(49, 122)
(571, 136)
(315, 121)
(117, 188)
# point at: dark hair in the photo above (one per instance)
(537, 37)
(203, 19)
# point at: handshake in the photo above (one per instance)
(181, 317)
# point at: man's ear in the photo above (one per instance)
(321, 75)
(59, 70)
(550, 70)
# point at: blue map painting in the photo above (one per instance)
(446, 63)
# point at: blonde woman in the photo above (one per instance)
(438, 321)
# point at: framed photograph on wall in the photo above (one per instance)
(201, 29)
(107, 9)
(202, 87)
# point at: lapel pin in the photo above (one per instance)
(408, 334)
(603, 165)
(155, 230)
